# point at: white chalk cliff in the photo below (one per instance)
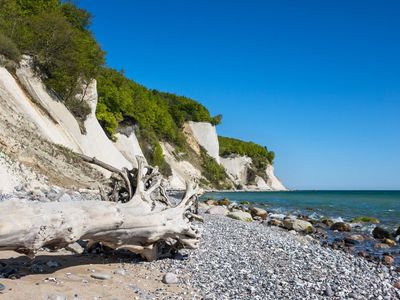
(54, 122)
(236, 167)
(206, 135)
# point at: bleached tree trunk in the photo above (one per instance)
(145, 224)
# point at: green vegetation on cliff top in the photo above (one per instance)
(229, 146)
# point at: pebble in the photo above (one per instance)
(240, 260)
(57, 297)
(170, 278)
(75, 248)
(53, 264)
(100, 276)
(121, 272)
(64, 197)
(397, 284)
(328, 292)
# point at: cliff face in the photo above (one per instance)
(238, 168)
(206, 136)
(27, 97)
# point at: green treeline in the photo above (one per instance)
(229, 146)
(57, 37)
(162, 114)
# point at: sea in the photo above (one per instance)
(336, 205)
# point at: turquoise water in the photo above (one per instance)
(384, 205)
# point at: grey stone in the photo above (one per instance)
(328, 292)
(170, 278)
(56, 297)
(53, 264)
(64, 197)
(2, 287)
(218, 210)
(75, 248)
(298, 225)
(37, 268)
(121, 272)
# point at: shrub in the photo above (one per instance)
(8, 48)
(79, 108)
(213, 172)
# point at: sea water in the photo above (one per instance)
(346, 205)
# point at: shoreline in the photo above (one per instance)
(236, 260)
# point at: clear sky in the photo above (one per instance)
(317, 81)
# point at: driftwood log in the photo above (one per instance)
(142, 220)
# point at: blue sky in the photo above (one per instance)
(317, 81)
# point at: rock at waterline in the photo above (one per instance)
(259, 212)
(341, 226)
(388, 260)
(354, 239)
(241, 216)
(225, 202)
(327, 222)
(218, 210)
(298, 225)
(364, 219)
(381, 233)
(381, 246)
(389, 242)
(210, 202)
(170, 278)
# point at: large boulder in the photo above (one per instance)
(259, 212)
(341, 226)
(381, 233)
(298, 225)
(217, 210)
(241, 216)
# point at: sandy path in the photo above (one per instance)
(73, 278)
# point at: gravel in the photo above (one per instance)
(239, 260)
